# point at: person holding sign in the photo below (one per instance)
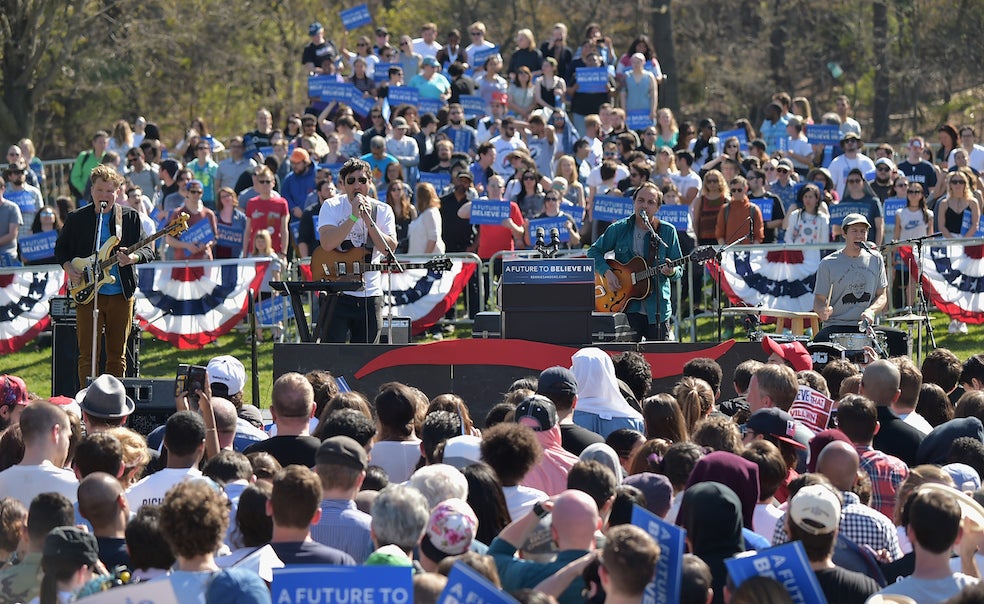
(551, 209)
(45, 221)
(634, 236)
(190, 246)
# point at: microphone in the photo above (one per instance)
(863, 245)
(554, 237)
(102, 205)
(363, 203)
(652, 232)
(539, 237)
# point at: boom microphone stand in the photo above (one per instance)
(95, 299)
(717, 282)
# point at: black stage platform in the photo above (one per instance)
(480, 370)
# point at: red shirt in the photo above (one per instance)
(495, 238)
(267, 214)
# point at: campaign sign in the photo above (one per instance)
(787, 564)
(575, 212)
(764, 204)
(317, 85)
(474, 106)
(361, 104)
(8, 260)
(462, 139)
(480, 55)
(273, 310)
(159, 591)
(638, 119)
(403, 95)
(550, 270)
(839, 210)
(23, 199)
(811, 408)
(38, 246)
(665, 587)
(229, 236)
(592, 79)
(324, 583)
(440, 180)
(965, 225)
(316, 220)
(892, 205)
(466, 586)
(430, 106)
(676, 214)
(611, 207)
(355, 17)
(200, 232)
(487, 211)
(381, 71)
(823, 134)
(561, 223)
(738, 133)
(341, 92)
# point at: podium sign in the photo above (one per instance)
(548, 300)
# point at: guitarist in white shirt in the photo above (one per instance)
(356, 316)
(115, 298)
(630, 237)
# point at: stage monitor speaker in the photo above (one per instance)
(65, 357)
(401, 330)
(154, 400)
(488, 324)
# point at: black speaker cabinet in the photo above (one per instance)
(65, 357)
(154, 399)
(401, 330)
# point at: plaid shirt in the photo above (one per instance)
(887, 473)
(860, 524)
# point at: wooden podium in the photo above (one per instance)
(548, 300)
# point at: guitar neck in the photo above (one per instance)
(111, 261)
(405, 265)
(654, 270)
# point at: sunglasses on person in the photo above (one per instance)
(853, 181)
(782, 170)
(914, 192)
(958, 182)
(264, 182)
(351, 180)
(195, 191)
(883, 169)
(738, 190)
(529, 177)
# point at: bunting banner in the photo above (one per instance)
(954, 279)
(425, 296)
(24, 298)
(776, 279)
(192, 304)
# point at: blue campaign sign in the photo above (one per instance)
(323, 583)
(611, 207)
(316, 85)
(23, 199)
(229, 236)
(892, 205)
(549, 270)
(839, 210)
(9, 260)
(575, 212)
(462, 139)
(316, 220)
(341, 92)
(273, 310)
(355, 17)
(676, 214)
(787, 564)
(665, 587)
(430, 106)
(823, 134)
(764, 204)
(638, 119)
(474, 106)
(480, 55)
(200, 232)
(362, 104)
(38, 246)
(965, 225)
(440, 180)
(381, 71)
(487, 211)
(592, 79)
(465, 586)
(561, 223)
(738, 133)
(403, 95)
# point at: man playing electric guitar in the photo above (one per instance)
(631, 237)
(115, 297)
(356, 316)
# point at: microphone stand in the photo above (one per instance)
(394, 264)
(95, 299)
(922, 306)
(656, 241)
(717, 282)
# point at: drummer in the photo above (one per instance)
(851, 287)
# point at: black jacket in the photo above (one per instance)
(77, 236)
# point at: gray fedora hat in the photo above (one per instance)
(105, 398)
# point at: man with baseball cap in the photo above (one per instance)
(851, 287)
(341, 464)
(559, 385)
(791, 354)
(550, 474)
(852, 158)
(813, 519)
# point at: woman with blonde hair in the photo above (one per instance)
(707, 205)
(425, 230)
(567, 168)
(526, 55)
(695, 398)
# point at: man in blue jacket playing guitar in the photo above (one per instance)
(642, 245)
(114, 275)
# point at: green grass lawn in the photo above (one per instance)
(159, 359)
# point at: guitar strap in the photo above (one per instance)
(118, 222)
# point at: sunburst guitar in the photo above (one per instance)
(635, 279)
(350, 265)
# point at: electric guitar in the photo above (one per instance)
(350, 265)
(634, 279)
(95, 268)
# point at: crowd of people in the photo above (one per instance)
(537, 496)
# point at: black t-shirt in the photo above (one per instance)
(895, 437)
(845, 586)
(310, 552)
(576, 439)
(459, 233)
(317, 53)
(112, 552)
(289, 449)
(778, 213)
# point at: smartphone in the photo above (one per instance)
(190, 379)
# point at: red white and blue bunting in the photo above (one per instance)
(24, 298)
(425, 296)
(954, 279)
(778, 279)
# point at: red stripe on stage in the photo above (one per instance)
(520, 353)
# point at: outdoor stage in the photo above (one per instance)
(480, 370)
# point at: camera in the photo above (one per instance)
(190, 379)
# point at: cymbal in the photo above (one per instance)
(745, 310)
(909, 318)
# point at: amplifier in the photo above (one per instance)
(62, 308)
(401, 330)
(154, 399)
